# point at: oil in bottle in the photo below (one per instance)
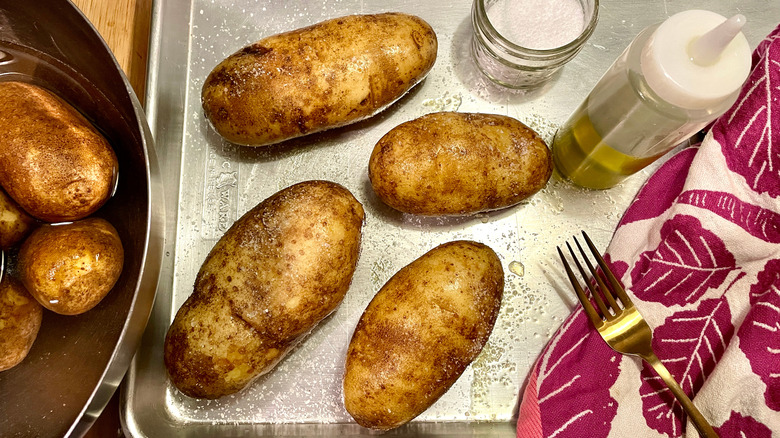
(671, 81)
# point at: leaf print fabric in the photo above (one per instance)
(690, 344)
(566, 373)
(760, 332)
(749, 131)
(688, 262)
(699, 252)
(661, 190)
(743, 427)
(762, 223)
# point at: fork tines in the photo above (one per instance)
(609, 295)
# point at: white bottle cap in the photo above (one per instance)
(696, 59)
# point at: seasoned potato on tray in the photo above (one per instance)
(277, 272)
(331, 74)
(458, 163)
(420, 332)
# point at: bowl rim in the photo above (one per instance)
(150, 245)
(149, 272)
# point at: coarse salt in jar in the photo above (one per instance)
(522, 43)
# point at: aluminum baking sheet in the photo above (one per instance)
(214, 182)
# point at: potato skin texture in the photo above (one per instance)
(420, 332)
(458, 163)
(20, 320)
(70, 268)
(53, 162)
(15, 223)
(331, 74)
(276, 273)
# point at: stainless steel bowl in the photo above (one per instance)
(77, 362)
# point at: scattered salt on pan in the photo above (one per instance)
(537, 24)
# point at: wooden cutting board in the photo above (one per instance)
(125, 26)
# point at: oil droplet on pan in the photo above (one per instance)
(517, 268)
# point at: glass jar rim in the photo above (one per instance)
(481, 15)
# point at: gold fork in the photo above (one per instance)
(623, 328)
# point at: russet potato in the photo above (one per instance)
(420, 332)
(276, 273)
(53, 162)
(69, 268)
(15, 223)
(327, 75)
(20, 320)
(458, 163)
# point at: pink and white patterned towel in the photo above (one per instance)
(699, 252)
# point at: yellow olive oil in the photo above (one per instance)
(581, 155)
(623, 124)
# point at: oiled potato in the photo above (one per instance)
(15, 223)
(70, 268)
(53, 162)
(420, 332)
(327, 75)
(20, 320)
(277, 272)
(457, 163)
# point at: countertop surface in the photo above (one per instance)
(124, 25)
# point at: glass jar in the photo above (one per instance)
(514, 66)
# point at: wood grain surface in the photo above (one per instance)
(124, 25)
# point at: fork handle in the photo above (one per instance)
(701, 424)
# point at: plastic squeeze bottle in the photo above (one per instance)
(669, 83)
